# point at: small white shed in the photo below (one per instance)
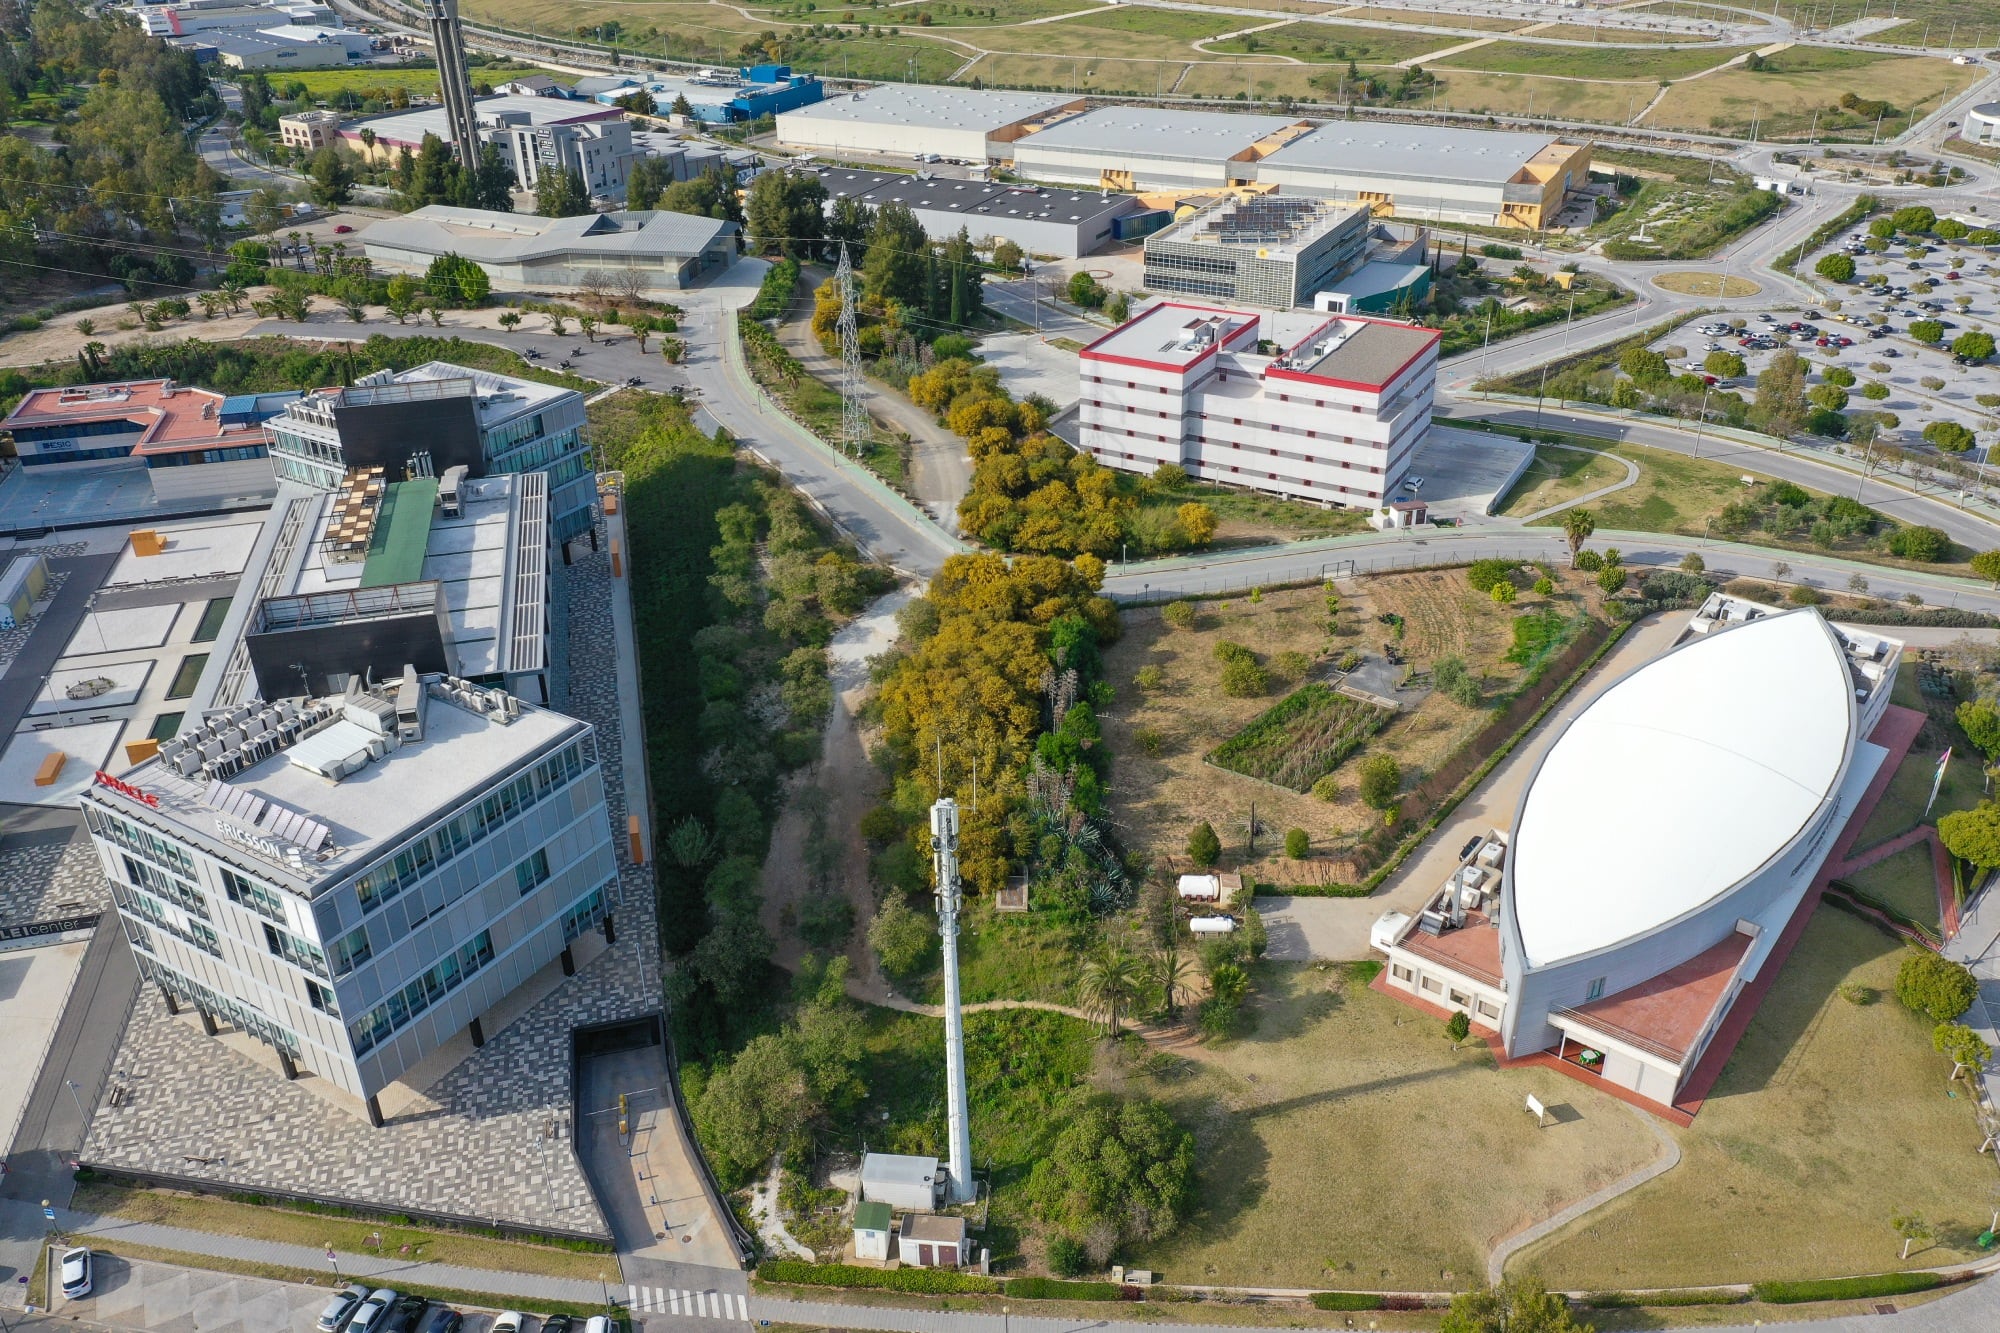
(1201, 888)
(903, 1182)
(933, 1240)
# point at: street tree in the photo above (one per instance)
(1577, 526)
(1935, 986)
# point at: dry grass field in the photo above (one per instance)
(1572, 99)
(1779, 97)
(1162, 786)
(1831, 1117)
(1556, 475)
(1345, 1143)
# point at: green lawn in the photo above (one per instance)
(1009, 956)
(1902, 805)
(1601, 63)
(1330, 44)
(1345, 1143)
(1246, 517)
(1558, 474)
(1674, 492)
(1906, 882)
(1830, 1117)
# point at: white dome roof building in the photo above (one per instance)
(1662, 845)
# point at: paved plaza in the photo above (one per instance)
(47, 874)
(473, 1144)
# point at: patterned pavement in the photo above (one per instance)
(50, 877)
(474, 1144)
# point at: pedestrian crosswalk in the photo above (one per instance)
(689, 1304)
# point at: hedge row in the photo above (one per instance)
(1626, 1300)
(1346, 1300)
(923, 1281)
(774, 294)
(1844, 1288)
(1055, 1289)
(1314, 890)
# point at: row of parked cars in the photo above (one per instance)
(357, 1309)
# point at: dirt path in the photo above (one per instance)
(1181, 1038)
(851, 785)
(940, 468)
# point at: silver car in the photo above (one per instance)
(334, 1317)
(369, 1312)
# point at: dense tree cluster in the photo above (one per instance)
(1119, 1171)
(127, 179)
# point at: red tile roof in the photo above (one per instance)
(1667, 1015)
(172, 417)
(1472, 950)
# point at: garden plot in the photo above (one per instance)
(1173, 714)
(1304, 738)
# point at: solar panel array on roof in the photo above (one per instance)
(1265, 220)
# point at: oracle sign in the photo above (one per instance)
(127, 789)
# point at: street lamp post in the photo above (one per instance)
(1702, 424)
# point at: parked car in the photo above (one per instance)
(509, 1321)
(1890, 352)
(1409, 484)
(342, 229)
(597, 1323)
(334, 1317)
(368, 1315)
(77, 1272)
(403, 1316)
(1953, 275)
(441, 1319)
(557, 1323)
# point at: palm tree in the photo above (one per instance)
(1107, 984)
(1578, 524)
(1173, 973)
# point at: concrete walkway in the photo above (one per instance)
(1977, 945)
(1669, 1158)
(88, 1227)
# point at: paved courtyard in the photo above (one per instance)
(49, 873)
(474, 1143)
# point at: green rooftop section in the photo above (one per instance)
(402, 532)
(871, 1217)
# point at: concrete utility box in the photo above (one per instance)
(907, 1183)
(872, 1224)
(933, 1240)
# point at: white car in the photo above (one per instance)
(509, 1321)
(1413, 483)
(76, 1274)
(369, 1312)
(597, 1323)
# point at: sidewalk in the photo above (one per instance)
(19, 1219)
(1977, 945)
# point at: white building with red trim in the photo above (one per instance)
(1333, 413)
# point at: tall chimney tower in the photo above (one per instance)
(449, 39)
(958, 1131)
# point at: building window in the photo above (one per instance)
(582, 915)
(351, 951)
(531, 873)
(1430, 984)
(1461, 999)
(297, 952)
(1487, 1010)
(369, 1029)
(1399, 972)
(322, 999)
(249, 893)
(1596, 991)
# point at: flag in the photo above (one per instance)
(1937, 781)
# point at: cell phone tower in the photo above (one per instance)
(854, 430)
(958, 1128)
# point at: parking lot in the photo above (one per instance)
(1864, 330)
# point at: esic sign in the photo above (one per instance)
(127, 789)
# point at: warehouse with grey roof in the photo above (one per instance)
(901, 120)
(1434, 172)
(1149, 148)
(670, 251)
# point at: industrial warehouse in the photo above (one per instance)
(1422, 172)
(1064, 223)
(1753, 730)
(670, 251)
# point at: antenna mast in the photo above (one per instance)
(958, 1132)
(854, 430)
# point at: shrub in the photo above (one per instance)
(1804, 594)
(1839, 375)
(1544, 586)
(1244, 678)
(1918, 542)
(1484, 574)
(1843, 1288)
(1346, 1300)
(1150, 678)
(1458, 1027)
(1150, 740)
(1298, 844)
(1855, 993)
(1050, 1289)
(1611, 578)
(1292, 664)
(924, 1281)
(1626, 1300)
(1454, 681)
(1502, 594)
(1935, 986)
(1948, 437)
(1836, 267)
(1067, 1257)
(1178, 614)
(1381, 778)
(1204, 848)
(1590, 562)
(1327, 789)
